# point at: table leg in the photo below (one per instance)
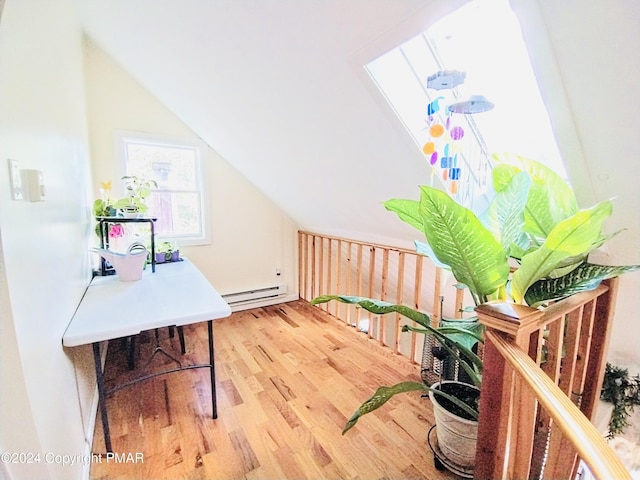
(214, 406)
(183, 348)
(102, 398)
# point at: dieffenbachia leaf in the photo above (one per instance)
(574, 236)
(505, 215)
(551, 199)
(408, 211)
(459, 240)
(586, 277)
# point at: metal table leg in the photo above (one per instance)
(214, 405)
(102, 396)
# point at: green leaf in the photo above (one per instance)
(425, 249)
(379, 398)
(550, 199)
(571, 237)
(378, 307)
(408, 211)
(586, 277)
(452, 339)
(505, 215)
(459, 240)
(383, 394)
(502, 174)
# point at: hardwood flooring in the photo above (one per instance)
(288, 377)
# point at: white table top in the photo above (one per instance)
(176, 294)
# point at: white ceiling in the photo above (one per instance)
(277, 87)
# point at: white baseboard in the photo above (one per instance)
(265, 302)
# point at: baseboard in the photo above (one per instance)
(265, 302)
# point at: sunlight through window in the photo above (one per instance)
(483, 43)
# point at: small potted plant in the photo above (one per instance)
(104, 207)
(167, 252)
(138, 190)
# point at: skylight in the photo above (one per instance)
(483, 42)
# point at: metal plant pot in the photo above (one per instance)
(457, 436)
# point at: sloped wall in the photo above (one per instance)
(251, 236)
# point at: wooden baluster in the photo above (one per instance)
(437, 293)
(372, 269)
(399, 300)
(313, 266)
(417, 291)
(359, 282)
(349, 289)
(339, 276)
(596, 363)
(320, 281)
(382, 320)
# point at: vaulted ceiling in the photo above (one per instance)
(277, 87)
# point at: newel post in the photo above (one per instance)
(507, 409)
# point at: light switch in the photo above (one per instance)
(33, 184)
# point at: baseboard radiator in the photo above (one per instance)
(258, 295)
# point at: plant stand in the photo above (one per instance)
(104, 222)
(440, 461)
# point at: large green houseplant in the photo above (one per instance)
(533, 222)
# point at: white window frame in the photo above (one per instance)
(122, 137)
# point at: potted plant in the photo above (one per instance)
(622, 391)
(167, 252)
(138, 190)
(533, 221)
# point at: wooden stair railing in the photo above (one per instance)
(543, 370)
(542, 377)
(339, 266)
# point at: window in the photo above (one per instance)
(178, 202)
(481, 40)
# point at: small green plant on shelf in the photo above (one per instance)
(103, 206)
(138, 190)
(623, 391)
(167, 252)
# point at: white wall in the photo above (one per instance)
(595, 50)
(43, 255)
(251, 237)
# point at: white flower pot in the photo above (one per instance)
(457, 436)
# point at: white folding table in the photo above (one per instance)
(177, 294)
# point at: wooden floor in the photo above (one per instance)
(288, 377)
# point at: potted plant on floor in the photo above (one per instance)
(533, 222)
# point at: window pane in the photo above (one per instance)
(172, 167)
(176, 166)
(178, 213)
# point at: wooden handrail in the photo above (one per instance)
(589, 443)
(569, 304)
